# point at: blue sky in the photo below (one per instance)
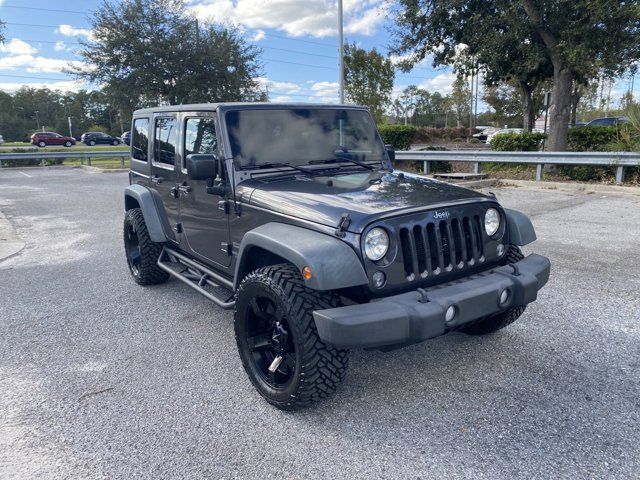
(299, 38)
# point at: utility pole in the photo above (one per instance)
(197, 36)
(341, 53)
(475, 116)
(37, 119)
(70, 132)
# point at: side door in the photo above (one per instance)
(203, 216)
(165, 168)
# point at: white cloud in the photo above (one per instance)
(60, 46)
(279, 87)
(317, 18)
(65, 86)
(259, 35)
(440, 83)
(36, 64)
(18, 47)
(326, 92)
(70, 31)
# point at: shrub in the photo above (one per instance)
(592, 139)
(400, 136)
(517, 142)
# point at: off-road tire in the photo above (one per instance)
(147, 271)
(319, 368)
(496, 322)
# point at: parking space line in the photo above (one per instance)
(26, 174)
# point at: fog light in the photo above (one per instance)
(504, 296)
(379, 278)
(500, 249)
(450, 314)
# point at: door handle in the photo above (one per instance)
(156, 179)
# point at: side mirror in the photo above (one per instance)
(202, 166)
(391, 152)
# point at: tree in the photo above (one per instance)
(525, 41)
(1, 31)
(472, 36)
(580, 36)
(368, 79)
(154, 51)
(461, 99)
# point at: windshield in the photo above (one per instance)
(300, 136)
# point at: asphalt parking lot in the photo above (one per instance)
(101, 378)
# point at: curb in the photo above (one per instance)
(10, 244)
(103, 170)
(573, 187)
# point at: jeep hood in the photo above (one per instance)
(365, 196)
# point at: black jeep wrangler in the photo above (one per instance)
(293, 216)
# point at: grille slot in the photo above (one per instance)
(429, 250)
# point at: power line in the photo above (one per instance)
(43, 9)
(312, 42)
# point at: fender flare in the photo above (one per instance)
(154, 216)
(333, 263)
(519, 228)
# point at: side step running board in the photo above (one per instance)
(196, 275)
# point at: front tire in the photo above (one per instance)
(115, 143)
(496, 322)
(142, 252)
(67, 144)
(278, 342)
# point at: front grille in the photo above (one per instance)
(441, 246)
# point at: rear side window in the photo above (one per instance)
(164, 148)
(200, 136)
(140, 139)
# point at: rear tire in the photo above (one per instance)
(42, 144)
(273, 319)
(92, 143)
(496, 322)
(142, 252)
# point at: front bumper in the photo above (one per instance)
(416, 316)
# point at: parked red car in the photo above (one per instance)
(42, 139)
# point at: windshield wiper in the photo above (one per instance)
(277, 165)
(341, 159)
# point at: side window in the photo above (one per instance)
(166, 138)
(200, 136)
(140, 139)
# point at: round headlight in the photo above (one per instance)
(376, 244)
(491, 221)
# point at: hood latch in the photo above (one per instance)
(343, 225)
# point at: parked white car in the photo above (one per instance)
(504, 130)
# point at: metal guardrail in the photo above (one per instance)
(620, 160)
(83, 156)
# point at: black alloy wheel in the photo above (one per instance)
(269, 341)
(278, 343)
